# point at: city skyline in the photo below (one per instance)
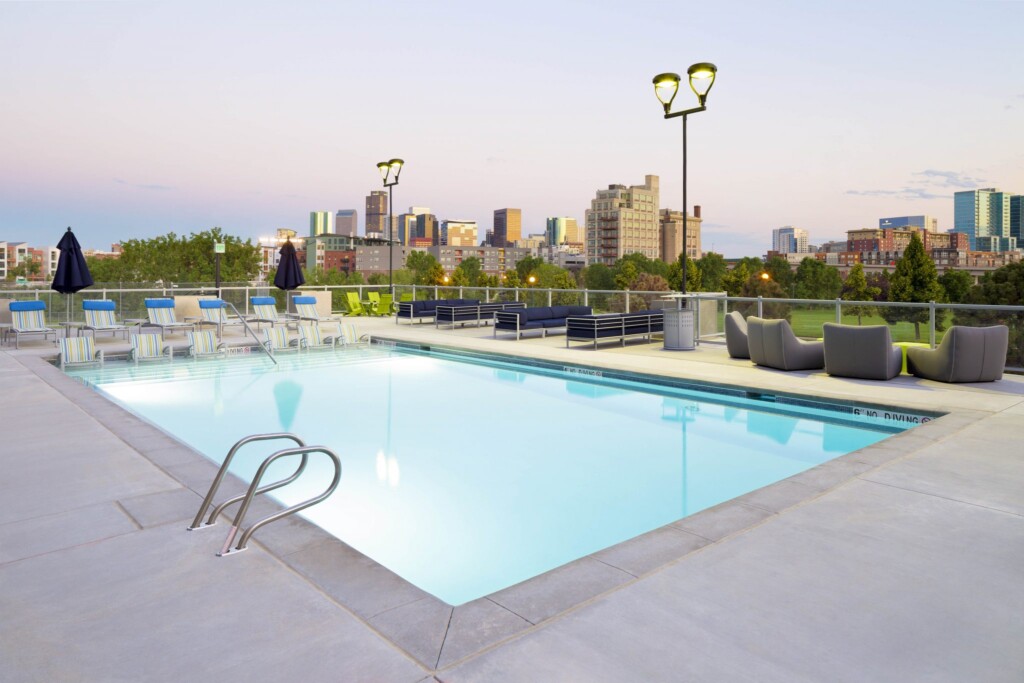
(828, 120)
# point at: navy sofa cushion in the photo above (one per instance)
(538, 313)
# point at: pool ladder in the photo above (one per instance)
(255, 489)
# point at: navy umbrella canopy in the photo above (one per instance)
(289, 273)
(72, 273)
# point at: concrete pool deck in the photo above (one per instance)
(897, 562)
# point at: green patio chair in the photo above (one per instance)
(355, 307)
(386, 305)
(374, 298)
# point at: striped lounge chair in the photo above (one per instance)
(146, 347)
(346, 334)
(305, 309)
(310, 337)
(161, 314)
(79, 350)
(205, 345)
(214, 312)
(99, 317)
(265, 311)
(29, 317)
(278, 340)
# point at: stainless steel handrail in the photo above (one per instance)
(197, 523)
(254, 490)
(248, 329)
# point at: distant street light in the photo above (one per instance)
(766, 276)
(702, 77)
(532, 280)
(390, 169)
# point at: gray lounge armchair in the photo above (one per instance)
(772, 344)
(862, 352)
(965, 354)
(736, 335)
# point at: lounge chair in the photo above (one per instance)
(161, 314)
(346, 335)
(772, 344)
(965, 354)
(278, 340)
(214, 312)
(862, 352)
(736, 335)
(205, 345)
(353, 304)
(310, 337)
(29, 317)
(305, 309)
(99, 317)
(147, 347)
(79, 351)
(265, 311)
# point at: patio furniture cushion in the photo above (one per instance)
(862, 352)
(965, 354)
(772, 344)
(27, 306)
(98, 305)
(262, 301)
(159, 303)
(736, 335)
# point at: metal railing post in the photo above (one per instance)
(586, 297)
(839, 310)
(931, 323)
(627, 301)
(760, 308)
(460, 292)
(549, 298)
(517, 294)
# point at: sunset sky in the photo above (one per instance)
(133, 119)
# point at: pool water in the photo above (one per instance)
(468, 476)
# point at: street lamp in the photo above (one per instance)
(702, 77)
(390, 169)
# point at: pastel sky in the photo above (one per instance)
(133, 119)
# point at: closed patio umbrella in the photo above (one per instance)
(289, 273)
(72, 273)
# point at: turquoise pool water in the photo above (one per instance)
(468, 476)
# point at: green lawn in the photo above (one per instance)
(807, 323)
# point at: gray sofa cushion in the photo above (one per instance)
(862, 352)
(736, 335)
(965, 354)
(772, 344)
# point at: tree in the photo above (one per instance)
(913, 280)
(757, 286)
(1002, 287)
(856, 288)
(782, 273)
(735, 279)
(470, 270)
(646, 282)
(879, 281)
(815, 280)
(626, 275)
(956, 285)
(424, 267)
(598, 276)
(527, 265)
(29, 269)
(712, 269)
(169, 258)
(675, 275)
(642, 264)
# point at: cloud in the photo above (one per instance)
(137, 186)
(951, 178)
(911, 193)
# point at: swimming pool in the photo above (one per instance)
(468, 474)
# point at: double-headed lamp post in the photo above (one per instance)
(702, 77)
(390, 170)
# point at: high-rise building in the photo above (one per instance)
(624, 220)
(427, 228)
(563, 230)
(1016, 217)
(458, 233)
(321, 223)
(405, 224)
(346, 222)
(671, 225)
(790, 240)
(508, 227)
(982, 213)
(923, 222)
(376, 210)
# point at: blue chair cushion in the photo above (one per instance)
(211, 303)
(304, 300)
(27, 306)
(262, 300)
(159, 303)
(98, 305)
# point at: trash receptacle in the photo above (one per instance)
(679, 330)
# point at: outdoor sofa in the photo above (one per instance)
(594, 328)
(448, 314)
(415, 310)
(965, 354)
(863, 352)
(543, 318)
(772, 344)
